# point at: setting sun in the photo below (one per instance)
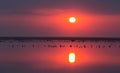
(71, 57)
(72, 19)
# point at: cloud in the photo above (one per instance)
(42, 12)
(95, 6)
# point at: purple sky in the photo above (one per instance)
(49, 18)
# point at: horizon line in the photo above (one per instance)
(59, 38)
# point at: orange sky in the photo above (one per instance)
(87, 24)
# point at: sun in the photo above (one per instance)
(72, 19)
(72, 57)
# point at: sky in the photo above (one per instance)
(95, 18)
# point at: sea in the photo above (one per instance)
(51, 55)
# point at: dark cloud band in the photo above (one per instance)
(96, 6)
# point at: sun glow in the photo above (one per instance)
(72, 19)
(71, 57)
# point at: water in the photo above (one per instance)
(50, 55)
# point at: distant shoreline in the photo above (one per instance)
(59, 38)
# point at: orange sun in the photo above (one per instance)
(72, 57)
(72, 19)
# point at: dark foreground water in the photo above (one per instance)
(50, 55)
